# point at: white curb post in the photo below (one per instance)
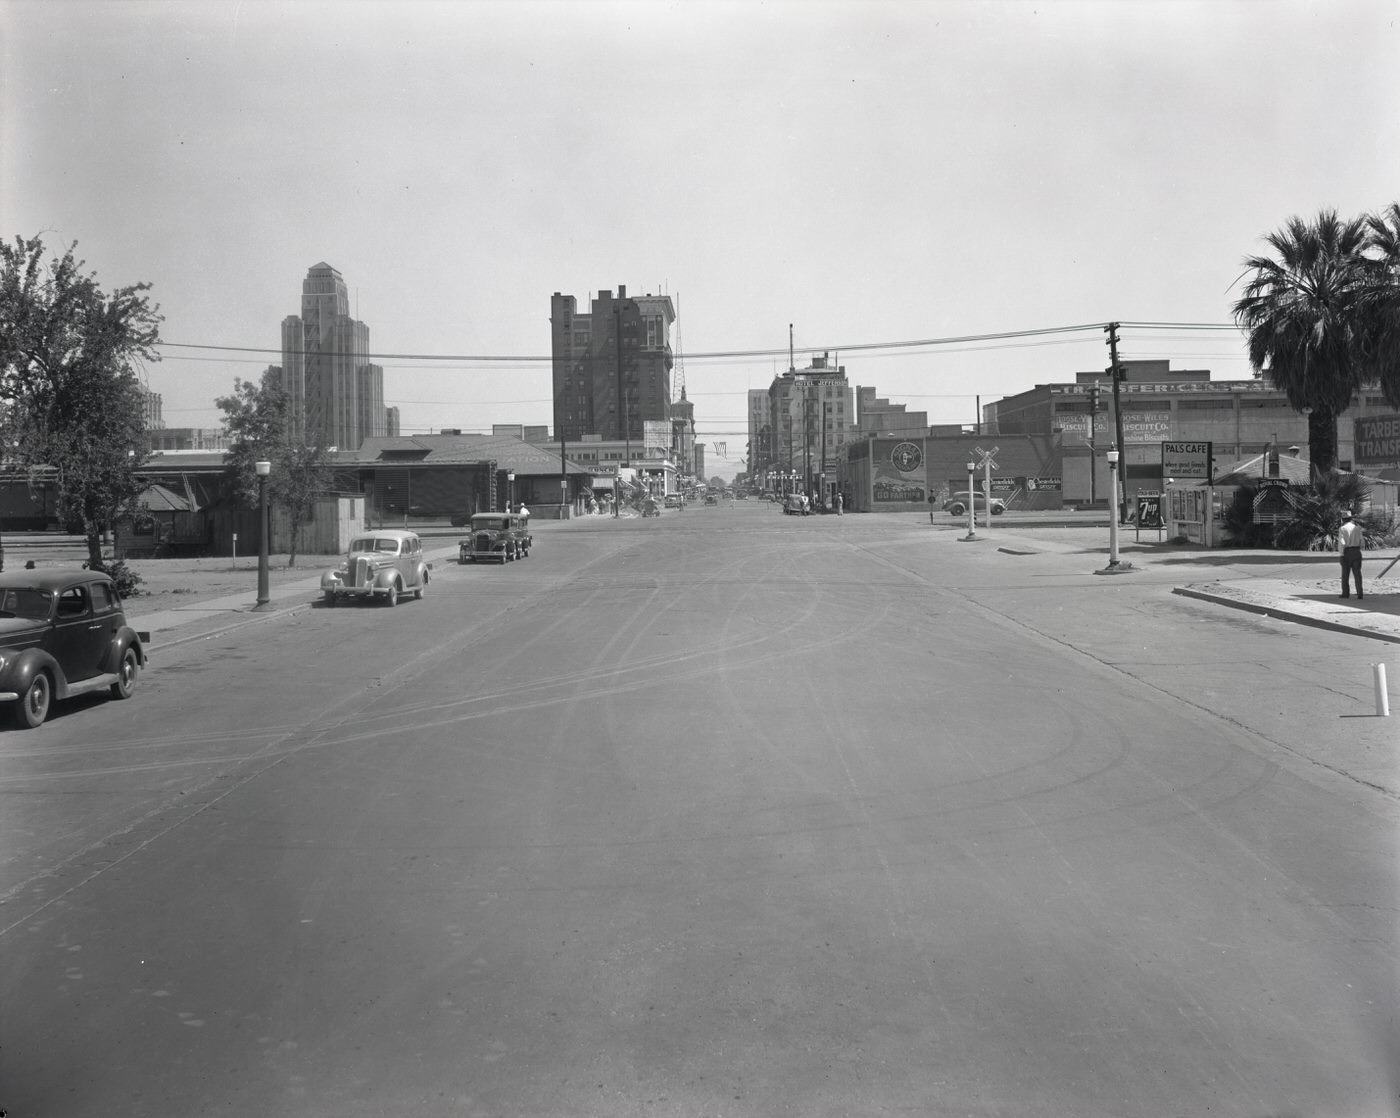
(1382, 697)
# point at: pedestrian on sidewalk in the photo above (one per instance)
(1349, 539)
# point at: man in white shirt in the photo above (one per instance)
(1350, 539)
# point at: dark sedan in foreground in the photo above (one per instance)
(63, 633)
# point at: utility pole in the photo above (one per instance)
(1093, 451)
(1117, 371)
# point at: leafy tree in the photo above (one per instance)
(256, 422)
(1383, 302)
(1304, 313)
(69, 355)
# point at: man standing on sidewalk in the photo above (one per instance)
(1349, 539)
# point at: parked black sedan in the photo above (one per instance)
(63, 633)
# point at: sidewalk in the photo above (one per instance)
(1304, 588)
(1315, 602)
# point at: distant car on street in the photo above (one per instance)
(497, 537)
(711, 499)
(63, 633)
(385, 564)
(957, 504)
(674, 501)
(796, 504)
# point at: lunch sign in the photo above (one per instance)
(1186, 460)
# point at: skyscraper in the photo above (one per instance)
(336, 395)
(594, 392)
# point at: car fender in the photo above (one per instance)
(18, 673)
(126, 637)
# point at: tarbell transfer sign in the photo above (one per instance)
(1377, 439)
(1186, 460)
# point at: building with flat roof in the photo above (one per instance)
(612, 365)
(798, 430)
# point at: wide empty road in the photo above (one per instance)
(725, 813)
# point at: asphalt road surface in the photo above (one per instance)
(722, 813)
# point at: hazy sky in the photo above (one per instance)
(870, 172)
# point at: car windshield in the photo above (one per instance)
(386, 544)
(494, 523)
(22, 601)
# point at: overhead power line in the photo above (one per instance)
(919, 343)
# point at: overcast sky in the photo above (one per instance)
(868, 172)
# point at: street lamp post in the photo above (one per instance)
(1113, 520)
(971, 502)
(263, 468)
(510, 491)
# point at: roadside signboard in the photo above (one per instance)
(1186, 460)
(1149, 510)
(1377, 439)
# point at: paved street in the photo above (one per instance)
(722, 813)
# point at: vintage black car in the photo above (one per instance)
(63, 633)
(496, 537)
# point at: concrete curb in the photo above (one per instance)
(1273, 609)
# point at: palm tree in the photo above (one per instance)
(1304, 316)
(1383, 310)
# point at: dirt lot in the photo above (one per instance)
(167, 582)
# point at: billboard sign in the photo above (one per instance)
(1377, 439)
(1186, 460)
(1146, 427)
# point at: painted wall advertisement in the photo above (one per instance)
(1138, 427)
(901, 477)
(1377, 439)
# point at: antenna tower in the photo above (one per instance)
(678, 381)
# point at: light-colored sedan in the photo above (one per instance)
(386, 564)
(956, 505)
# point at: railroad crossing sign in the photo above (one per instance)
(988, 460)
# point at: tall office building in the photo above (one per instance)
(595, 393)
(810, 414)
(336, 395)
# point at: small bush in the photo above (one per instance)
(127, 581)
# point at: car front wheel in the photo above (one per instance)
(956, 510)
(33, 705)
(422, 587)
(391, 599)
(126, 675)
